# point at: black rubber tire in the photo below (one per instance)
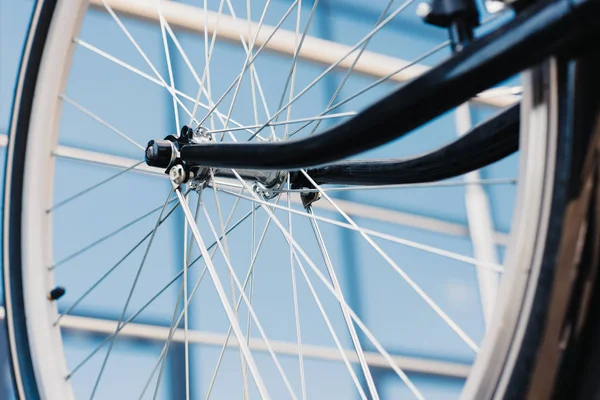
(559, 356)
(22, 368)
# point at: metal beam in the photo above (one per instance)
(481, 226)
(326, 52)
(161, 334)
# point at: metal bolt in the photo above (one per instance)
(177, 174)
(423, 10)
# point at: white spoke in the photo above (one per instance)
(182, 292)
(186, 254)
(438, 310)
(161, 361)
(145, 57)
(334, 65)
(249, 274)
(158, 294)
(222, 226)
(378, 82)
(100, 120)
(299, 41)
(105, 237)
(142, 53)
(233, 84)
(287, 122)
(336, 285)
(169, 67)
(252, 84)
(198, 81)
(391, 238)
(94, 186)
(129, 296)
(207, 56)
(136, 71)
(357, 320)
(248, 304)
(223, 297)
(252, 246)
(296, 305)
(118, 263)
(248, 50)
(497, 181)
(351, 68)
(336, 340)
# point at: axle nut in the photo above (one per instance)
(159, 153)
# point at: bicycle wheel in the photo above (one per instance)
(72, 200)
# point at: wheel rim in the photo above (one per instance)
(44, 313)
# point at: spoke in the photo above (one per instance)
(195, 75)
(497, 181)
(222, 226)
(356, 319)
(249, 274)
(248, 50)
(95, 186)
(287, 122)
(84, 110)
(434, 306)
(186, 254)
(324, 314)
(141, 52)
(106, 237)
(162, 359)
(252, 246)
(183, 292)
(378, 82)
(158, 294)
(391, 238)
(146, 76)
(118, 263)
(349, 324)
(163, 353)
(169, 67)
(233, 84)
(223, 297)
(129, 296)
(298, 45)
(252, 84)
(207, 57)
(335, 337)
(248, 304)
(145, 57)
(332, 66)
(296, 305)
(351, 68)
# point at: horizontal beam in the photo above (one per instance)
(161, 334)
(197, 20)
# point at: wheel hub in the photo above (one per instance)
(165, 154)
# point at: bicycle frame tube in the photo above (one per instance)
(486, 143)
(537, 32)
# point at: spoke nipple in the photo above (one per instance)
(56, 293)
